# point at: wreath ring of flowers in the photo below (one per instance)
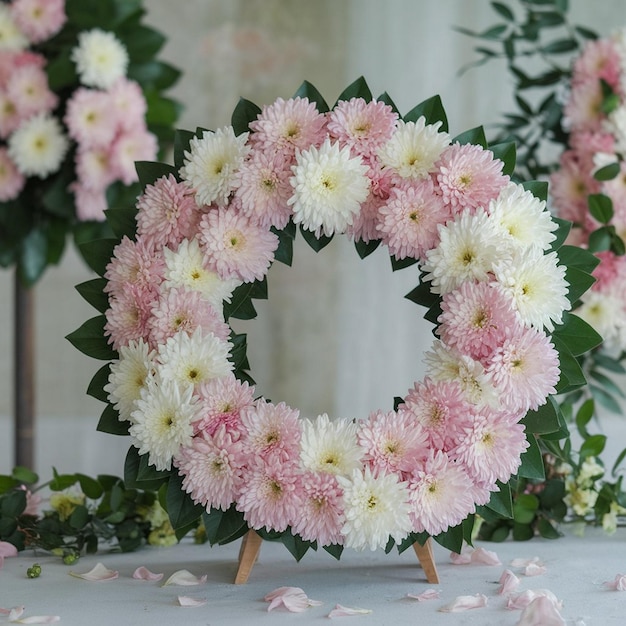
(195, 252)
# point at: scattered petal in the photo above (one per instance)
(534, 569)
(522, 600)
(541, 612)
(343, 611)
(98, 574)
(525, 562)
(184, 578)
(292, 598)
(6, 550)
(479, 556)
(16, 612)
(429, 594)
(143, 573)
(619, 584)
(187, 601)
(38, 619)
(465, 603)
(460, 559)
(508, 582)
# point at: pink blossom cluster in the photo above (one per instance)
(597, 128)
(359, 170)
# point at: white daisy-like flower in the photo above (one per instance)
(605, 312)
(522, 219)
(616, 126)
(11, 37)
(414, 148)
(329, 186)
(38, 146)
(537, 286)
(186, 268)
(330, 446)
(448, 365)
(193, 359)
(467, 251)
(128, 377)
(212, 163)
(375, 508)
(162, 421)
(100, 57)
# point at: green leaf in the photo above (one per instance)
(61, 71)
(357, 89)
(606, 399)
(543, 419)
(538, 188)
(601, 238)
(182, 139)
(180, 507)
(451, 539)
(571, 373)
(579, 283)
(365, 249)
(474, 136)
(504, 11)
(142, 42)
(608, 362)
(523, 531)
(560, 46)
(224, 526)
(98, 382)
(573, 256)
(334, 550)
(92, 291)
(608, 172)
(432, 109)
(587, 33)
(240, 305)
(110, 422)
(600, 207)
(400, 264)
(244, 113)
(577, 334)
(501, 501)
(297, 546)
(284, 251)
(592, 446)
(608, 384)
(86, 14)
(547, 530)
(90, 486)
(583, 417)
(123, 221)
(149, 172)
(507, 153)
(33, 256)
(24, 476)
(79, 517)
(161, 111)
(90, 340)
(384, 97)
(314, 242)
(154, 75)
(307, 90)
(532, 461)
(423, 295)
(561, 233)
(98, 254)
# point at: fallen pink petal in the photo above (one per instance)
(619, 584)
(292, 598)
(38, 619)
(6, 550)
(16, 612)
(526, 562)
(184, 578)
(429, 594)
(541, 612)
(346, 611)
(99, 573)
(522, 600)
(478, 556)
(190, 602)
(534, 569)
(465, 603)
(508, 582)
(143, 573)
(460, 559)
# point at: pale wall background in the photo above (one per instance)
(336, 335)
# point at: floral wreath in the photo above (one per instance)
(196, 251)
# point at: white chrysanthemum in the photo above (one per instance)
(330, 446)
(329, 187)
(38, 146)
(448, 365)
(101, 58)
(212, 164)
(185, 268)
(414, 148)
(375, 508)
(605, 313)
(193, 359)
(162, 421)
(537, 286)
(522, 219)
(467, 251)
(128, 377)
(11, 37)
(616, 126)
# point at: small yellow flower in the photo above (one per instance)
(163, 536)
(65, 503)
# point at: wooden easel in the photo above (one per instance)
(251, 546)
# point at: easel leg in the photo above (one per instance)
(248, 554)
(425, 555)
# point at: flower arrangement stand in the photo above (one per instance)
(251, 546)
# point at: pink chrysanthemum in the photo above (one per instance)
(441, 494)
(440, 408)
(408, 222)
(321, 511)
(129, 103)
(235, 247)
(525, 369)
(273, 430)
(271, 494)
(610, 270)
(10, 118)
(93, 168)
(475, 318)
(127, 317)
(469, 176)
(364, 126)
(583, 110)
(393, 442)
(212, 469)
(39, 19)
(287, 126)
(135, 145)
(90, 203)
(491, 445)
(599, 60)
(11, 179)
(223, 399)
(570, 186)
(265, 189)
(179, 309)
(28, 90)
(134, 264)
(167, 212)
(91, 118)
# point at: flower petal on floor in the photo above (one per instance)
(143, 573)
(465, 603)
(189, 602)
(541, 612)
(523, 599)
(618, 584)
(292, 598)
(185, 578)
(344, 611)
(429, 594)
(508, 582)
(99, 573)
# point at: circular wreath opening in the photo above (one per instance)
(195, 254)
